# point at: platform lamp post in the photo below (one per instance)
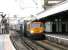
(8, 23)
(3, 23)
(0, 21)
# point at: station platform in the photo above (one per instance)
(5, 42)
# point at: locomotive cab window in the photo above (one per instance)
(35, 24)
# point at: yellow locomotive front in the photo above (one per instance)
(36, 28)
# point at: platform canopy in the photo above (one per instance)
(53, 10)
(21, 7)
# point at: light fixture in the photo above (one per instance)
(53, 2)
(32, 31)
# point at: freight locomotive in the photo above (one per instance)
(34, 29)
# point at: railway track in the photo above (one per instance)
(56, 45)
(51, 45)
(17, 44)
(22, 43)
(28, 44)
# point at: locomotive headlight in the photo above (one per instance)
(32, 31)
(40, 31)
